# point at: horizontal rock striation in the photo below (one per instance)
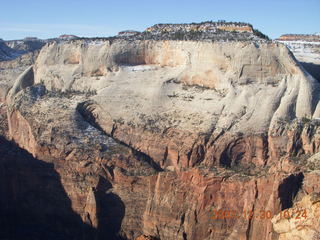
(300, 37)
(152, 137)
(119, 192)
(183, 103)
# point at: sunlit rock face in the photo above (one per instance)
(151, 137)
(301, 221)
(170, 98)
(306, 48)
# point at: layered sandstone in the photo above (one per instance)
(202, 27)
(300, 37)
(118, 190)
(184, 102)
(11, 70)
(150, 138)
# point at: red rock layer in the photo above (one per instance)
(116, 193)
(299, 37)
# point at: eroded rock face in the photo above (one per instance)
(11, 70)
(202, 27)
(118, 190)
(306, 48)
(301, 221)
(6, 53)
(33, 202)
(172, 100)
(26, 45)
(150, 138)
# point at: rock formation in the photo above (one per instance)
(302, 221)
(11, 70)
(34, 204)
(306, 48)
(26, 45)
(156, 136)
(68, 37)
(6, 53)
(205, 31)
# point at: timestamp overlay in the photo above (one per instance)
(258, 214)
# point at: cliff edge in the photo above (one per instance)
(160, 136)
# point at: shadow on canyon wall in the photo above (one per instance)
(289, 189)
(313, 69)
(111, 211)
(34, 204)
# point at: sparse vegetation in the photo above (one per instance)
(260, 34)
(70, 92)
(119, 121)
(305, 120)
(300, 159)
(240, 134)
(173, 95)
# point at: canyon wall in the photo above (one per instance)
(182, 103)
(306, 48)
(152, 138)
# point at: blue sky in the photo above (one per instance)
(45, 19)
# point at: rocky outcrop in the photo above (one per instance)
(300, 37)
(306, 48)
(33, 202)
(204, 31)
(118, 190)
(201, 105)
(6, 53)
(26, 45)
(25, 80)
(128, 33)
(301, 221)
(172, 139)
(16, 56)
(11, 70)
(209, 31)
(10, 50)
(68, 37)
(82, 156)
(203, 27)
